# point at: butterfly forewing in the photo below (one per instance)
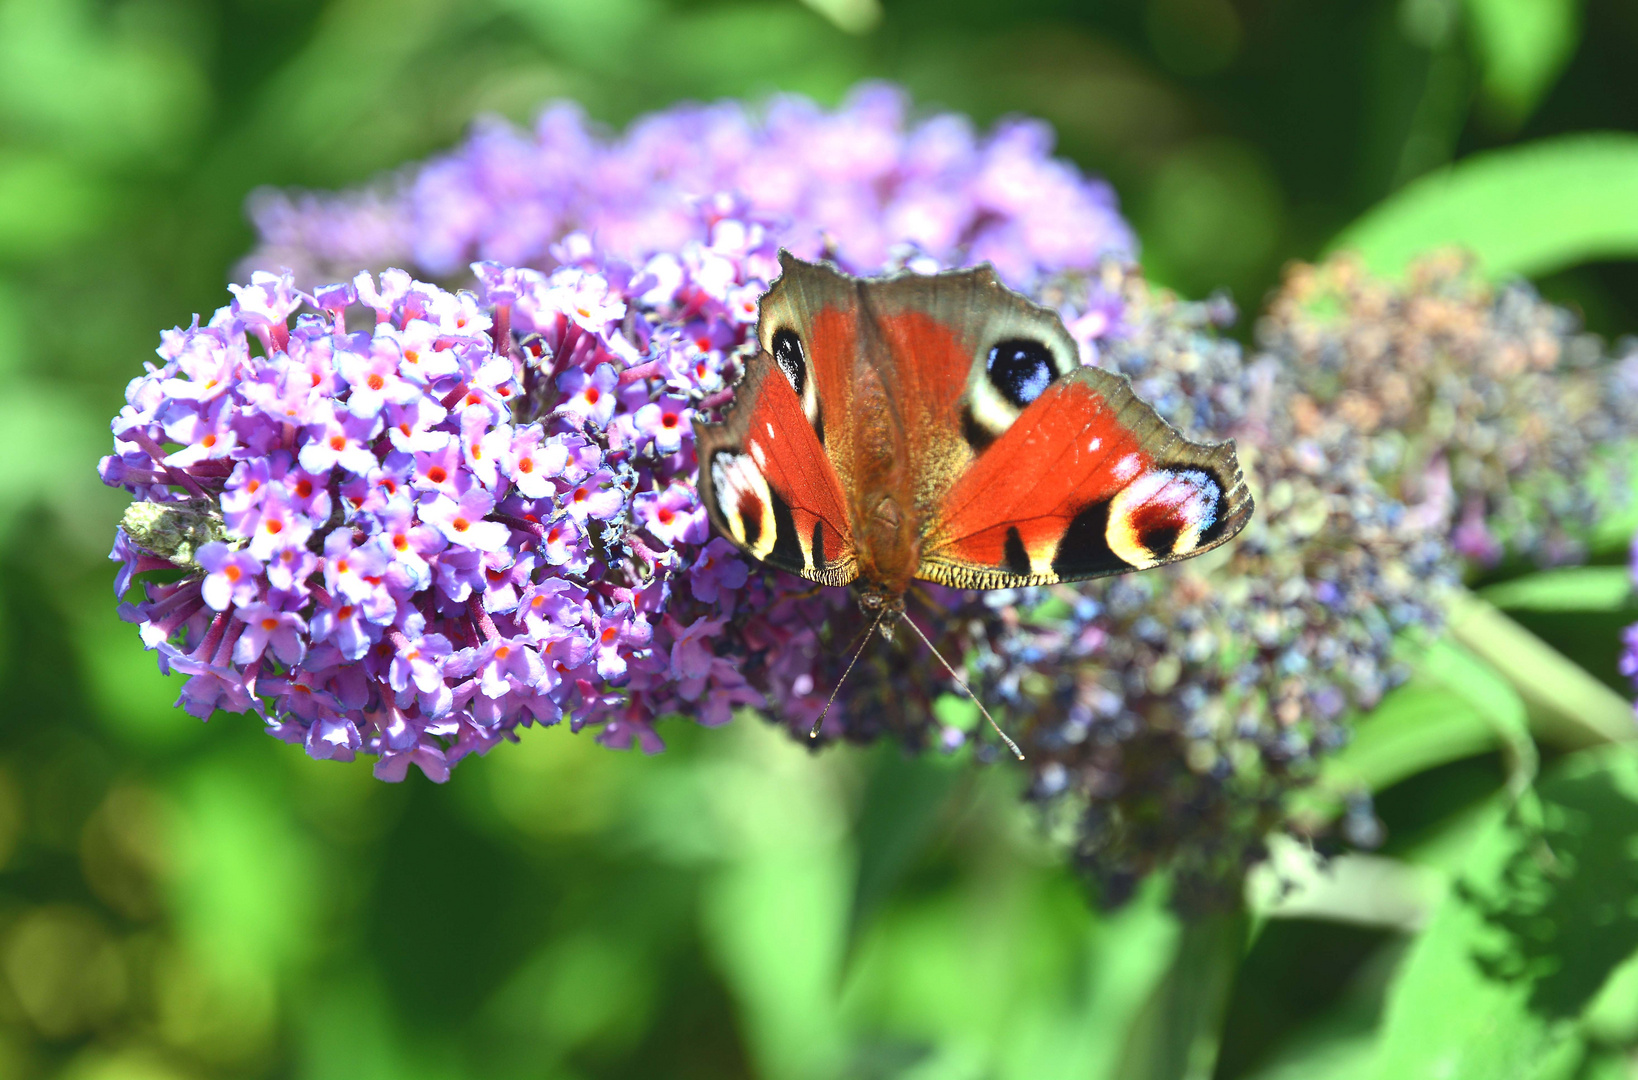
(809, 322)
(767, 484)
(1088, 481)
(934, 337)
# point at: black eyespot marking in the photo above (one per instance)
(1084, 549)
(1020, 369)
(1161, 540)
(750, 517)
(787, 353)
(787, 550)
(819, 425)
(1014, 559)
(818, 545)
(977, 435)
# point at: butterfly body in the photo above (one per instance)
(942, 427)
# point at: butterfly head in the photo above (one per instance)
(886, 608)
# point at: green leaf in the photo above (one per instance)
(1523, 46)
(1539, 919)
(903, 798)
(51, 438)
(854, 16)
(48, 203)
(775, 912)
(1494, 699)
(243, 864)
(1417, 727)
(1612, 1017)
(1569, 588)
(1345, 1056)
(134, 700)
(104, 90)
(1606, 1065)
(1531, 209)
(1126, 959)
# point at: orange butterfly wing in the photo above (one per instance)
(769, 481)
(1087, 481)
(965, 406)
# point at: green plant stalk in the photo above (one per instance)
(1568, 708)
(1179, 1031)
(1497, 702)
(1568, 588)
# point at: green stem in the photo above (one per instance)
(1568, 588)
(1179, 1031)
(1568, 708)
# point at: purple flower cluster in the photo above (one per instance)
(415, 520)
(476, 514)
(391, 562)
(862, 185)
(411, 537)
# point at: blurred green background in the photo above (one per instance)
(180, 900)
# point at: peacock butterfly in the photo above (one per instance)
(942, 427)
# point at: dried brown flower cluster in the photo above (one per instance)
(1484, 408)
(1218, 683)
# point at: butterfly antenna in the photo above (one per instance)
(819, 723)
(1017, 753)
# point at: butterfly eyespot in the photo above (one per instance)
(1163, 514)
(745, 503)
(787, 353)
(1016, 371)
(1020, 369)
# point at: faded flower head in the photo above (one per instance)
(1483, 407)
(863, 184)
